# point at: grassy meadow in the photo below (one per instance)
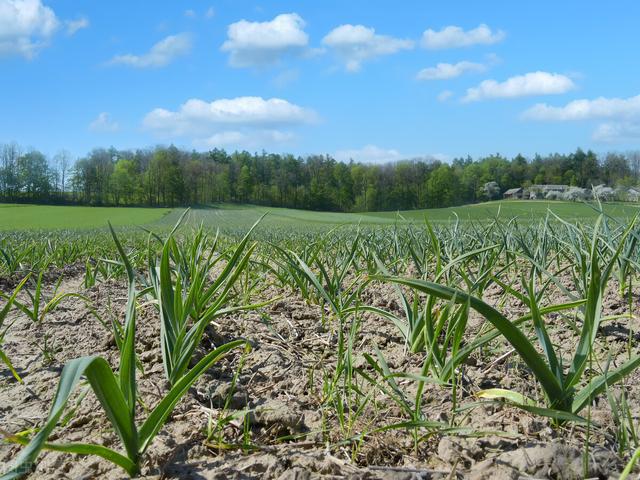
(227, 216)
(47, 217)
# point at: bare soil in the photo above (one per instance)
(288, 434)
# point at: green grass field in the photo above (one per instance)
(524, 209)
(27, 217)
(47, 217)
(241, 217)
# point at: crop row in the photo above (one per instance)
(558, 271)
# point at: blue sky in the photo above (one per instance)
(371, 80)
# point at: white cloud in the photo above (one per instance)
(196, 115)
(74, 25)
(444, 95)
(444, 71)
(210, 13)
(103, 123)
(190, 13)
(241, 121)
(263, 43)
(26, 26)
(160, 55)
(239, 139)
(357, 43)
(623, 115)
(617, 132)
(455, 37)
(585, 109)
(369, 154)
(534, 83)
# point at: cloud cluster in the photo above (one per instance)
(445, 71)
(584, 109)
(160, 55)
(623, 115)
(355, 44)
(252, 44)
(240, 120)
(534, 83)
(26, 26)
(455, 37)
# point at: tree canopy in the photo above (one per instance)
(169, 176)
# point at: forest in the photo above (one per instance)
(169, 176)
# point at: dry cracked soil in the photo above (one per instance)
(278, 424)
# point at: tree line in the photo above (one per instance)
(169, 176)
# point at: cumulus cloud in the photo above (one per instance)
(623, 115)
(455, 37)
(262, 43)
(210, 13)
(237, 121)
(195, 115)
(444, 71)
(103, 124)
(72, 26)
(585, 109)
(534, 83)
(26, 26)
(160, 55)
(355, 44)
